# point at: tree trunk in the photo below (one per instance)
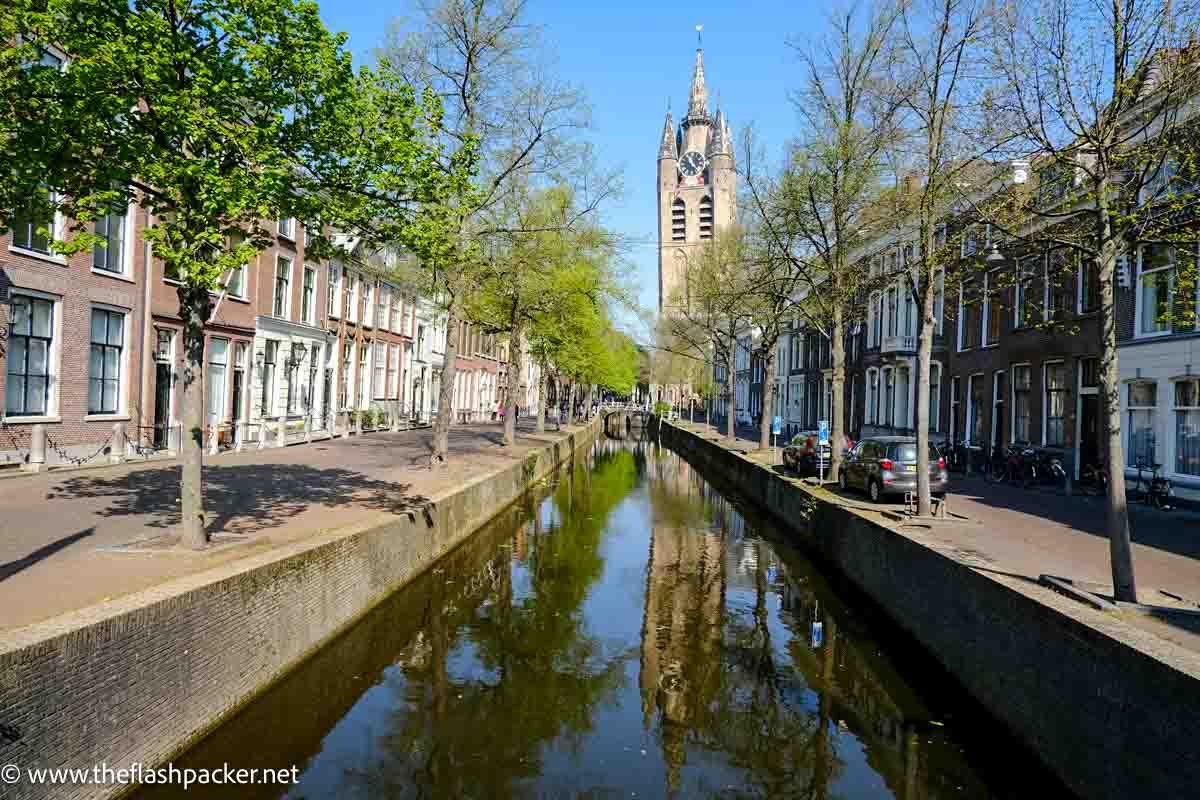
(925, 282)
(730, 403)
(837, 425)
(571, 405)
(543, 390)
(194, 305)
(1117, 517)
(768, 399)
(441, 424)
(514, 385)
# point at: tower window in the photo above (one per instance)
(706, 218)
(678, 221)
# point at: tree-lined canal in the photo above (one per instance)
(629, 633)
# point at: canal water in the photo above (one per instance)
(627, 631)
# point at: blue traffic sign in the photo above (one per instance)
(823, 431)
(776, 425)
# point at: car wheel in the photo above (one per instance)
(873, 490)
(842, 480)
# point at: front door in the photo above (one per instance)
(1089, 423)
(326, 393)
(162, 405)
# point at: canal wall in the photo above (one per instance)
(1109, 708)
(139, 679)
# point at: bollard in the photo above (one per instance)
(37, 450)
(281, 434)
(262, 434)
(213, 439)
(358, 423)
(242, 431)
(307, 429)
(114, 449)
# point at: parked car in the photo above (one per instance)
(887, 465)
(801, 453)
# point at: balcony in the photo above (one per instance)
(899, 344)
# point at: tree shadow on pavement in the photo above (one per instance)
(241, 499)
(13, 567)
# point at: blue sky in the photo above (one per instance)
(629, 57)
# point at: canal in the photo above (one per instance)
(627, 631)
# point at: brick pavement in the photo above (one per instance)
(70, 539)
(1028, 533)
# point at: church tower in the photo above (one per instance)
(697, 189)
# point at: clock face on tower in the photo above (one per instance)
(692, 164)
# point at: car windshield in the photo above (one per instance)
(907, 453)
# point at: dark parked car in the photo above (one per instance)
(801, 454)
(884, 465)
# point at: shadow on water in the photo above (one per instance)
(627, 628)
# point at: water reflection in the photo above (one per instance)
(630, 631)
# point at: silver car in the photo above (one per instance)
(887, 465)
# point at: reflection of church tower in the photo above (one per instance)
(681, 630)
(697, 187)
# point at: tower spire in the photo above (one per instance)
(698, 100)
(666, 147)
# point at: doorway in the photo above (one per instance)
(1089, 429)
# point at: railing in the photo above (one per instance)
(899, 344)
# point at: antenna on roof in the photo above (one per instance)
(699, 39)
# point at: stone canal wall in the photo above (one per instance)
(1111, 709)
(139, 679)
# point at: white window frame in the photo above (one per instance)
(352, 295)
(333, 298)
(127, 247)
(285, 227)
(998, 401)
(968, 427)
(1127, 429)
(122, 411)
(368, 310)
(1012, 395)
(986, 316)
(939, 299)
(287, 295)
(1173, 423)
(53, 360)
(935, 398)
(1020, 289)
(309, 314)
(57, 228)
(955, 402)
(960, 322)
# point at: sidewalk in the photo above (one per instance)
(70, 539)
(1028, 533)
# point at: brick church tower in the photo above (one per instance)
(697, 188)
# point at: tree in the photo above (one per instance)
(1104, 95)
(823, 207)
(486, 64)
(205, 115)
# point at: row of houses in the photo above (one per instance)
(94, 347)
(1015, 353)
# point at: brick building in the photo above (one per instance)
(76, 334)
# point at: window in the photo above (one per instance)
(33, 227)
(1060, 269)
(955, 392)
(1156, 280)
(678, 221)
(1142, 402)
(1056, 404)
(30, 381)
(877, 321)
(889, 397)
(1089, 286)
(285, 228)
(1187, 427)
(706, 218)
(385, 306)
(218, 355)
(970, 241)
(351, 297)
(380, 388)
(270, 353)
(935, 399)
(308, 296)
(969, 323)
(236, 285)
(368, 288)
(392, 367)
(991, 308)
(1022, 411)
(975, 408)
(333, 305)
(364, 375)
(891, 311)
(397, 323)
(240, 352)
(1025, 272)
(347, 364)
(283, 274)
(104, 363)
(110, 256)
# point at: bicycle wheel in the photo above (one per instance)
(1028, 476)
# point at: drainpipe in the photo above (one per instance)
(144, 389)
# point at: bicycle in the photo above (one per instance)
(1156, 493)
(1093, 478)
